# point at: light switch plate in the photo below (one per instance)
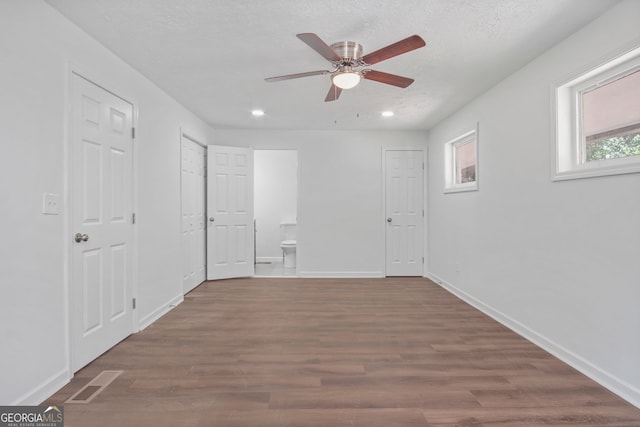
(50, 204)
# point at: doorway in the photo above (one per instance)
(275, 212)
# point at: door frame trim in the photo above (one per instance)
(99, 79)
(425, 247)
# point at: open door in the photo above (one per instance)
(230, 212)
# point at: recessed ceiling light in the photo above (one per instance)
(257, 113)
(387, 114)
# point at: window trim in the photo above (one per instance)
(568, 145)
(450, 185)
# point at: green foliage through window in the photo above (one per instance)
(614, 147)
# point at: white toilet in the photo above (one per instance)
(288, 243)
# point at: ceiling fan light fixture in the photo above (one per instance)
(346, 79)
(346, 57)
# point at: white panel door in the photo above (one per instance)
(230, 212)
(194, 158)
(404, 212)
(101, 219)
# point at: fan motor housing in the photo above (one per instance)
(348, 49)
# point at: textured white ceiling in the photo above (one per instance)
(213, 55)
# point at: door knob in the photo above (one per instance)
(79, 237)
(389, 220)
(211, 219)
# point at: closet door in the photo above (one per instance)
(404, 212)
(194, 265)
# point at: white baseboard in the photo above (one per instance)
(341, 274)
(620, 387)
(159, 312)
(269, 259)
(45, 390)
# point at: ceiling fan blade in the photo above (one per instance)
(296, 76)
(334, 93)
(316, 43)
(390, 79)
(395, 49)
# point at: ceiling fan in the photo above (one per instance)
(346, 59)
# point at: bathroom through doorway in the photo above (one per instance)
(275, 212)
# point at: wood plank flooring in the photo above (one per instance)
(331, 352)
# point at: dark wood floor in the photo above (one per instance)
(353, 352)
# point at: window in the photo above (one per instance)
(598, 120)
(461, 167)
(611, 119)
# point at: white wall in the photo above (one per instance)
(36, 46)
(275, 198)
(556, 261)
(341, 219)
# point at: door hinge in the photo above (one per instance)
(133, 218)
(423, 212)
(133, 133)
(423, 260)
(422, 165)
(134, 303)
